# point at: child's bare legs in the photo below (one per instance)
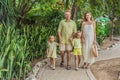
(79, 59)
(76, 62)
(53, 63)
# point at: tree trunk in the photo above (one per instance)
(67, 4)
(111, 30)
(74, 10)
(112, 22)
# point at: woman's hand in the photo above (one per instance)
(83, 40)
(94, 42)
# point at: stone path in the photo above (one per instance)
(61, 73)
(82, 74)
(108, 54)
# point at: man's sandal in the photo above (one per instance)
(61, 64)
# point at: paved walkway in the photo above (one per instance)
(108, 54)
(62, 74)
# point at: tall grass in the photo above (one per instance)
(18, 47)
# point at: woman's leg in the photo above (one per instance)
(83, 66)
(87, 65)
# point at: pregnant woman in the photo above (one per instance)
(88, 39)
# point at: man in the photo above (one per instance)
(66, 29)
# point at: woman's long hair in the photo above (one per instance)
(84, 19)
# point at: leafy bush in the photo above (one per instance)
(18, 47)
(102, 32)
(117, 28)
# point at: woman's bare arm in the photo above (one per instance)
(82, 36)
(94, 24)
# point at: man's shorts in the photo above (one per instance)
(65, 47)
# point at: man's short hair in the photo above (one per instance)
(68, 10)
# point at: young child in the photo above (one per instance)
(76, 42)
(51, 51)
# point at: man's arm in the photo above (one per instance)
(59, 32)
(59, 36)
(74, 31)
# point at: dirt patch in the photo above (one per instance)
(33, 62)
(106, 69)
(107, 43)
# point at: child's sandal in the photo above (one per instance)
(68, 67)
(76, 69)
(53, 68)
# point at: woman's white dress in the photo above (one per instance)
(88, 33)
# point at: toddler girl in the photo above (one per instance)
(51, 51)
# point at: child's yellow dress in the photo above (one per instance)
(52, 50)
(77, 46)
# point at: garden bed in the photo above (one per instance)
(107, 43)
(104, 71)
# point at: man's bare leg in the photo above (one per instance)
(68, 60)
(62, 53)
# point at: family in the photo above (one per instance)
(70, 39)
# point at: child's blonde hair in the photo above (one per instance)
(76, 34)
(50, 38)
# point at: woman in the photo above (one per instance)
(88, 38)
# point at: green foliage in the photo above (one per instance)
(46, 15)
(117, 28)
(13, 49)
(37, 20)
(6, 12)
(102, 32)
(19, 47)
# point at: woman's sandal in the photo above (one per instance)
(68, 67)
(83, 67)
(87, 66)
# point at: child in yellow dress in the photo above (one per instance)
(76, 42)
(51, 51)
